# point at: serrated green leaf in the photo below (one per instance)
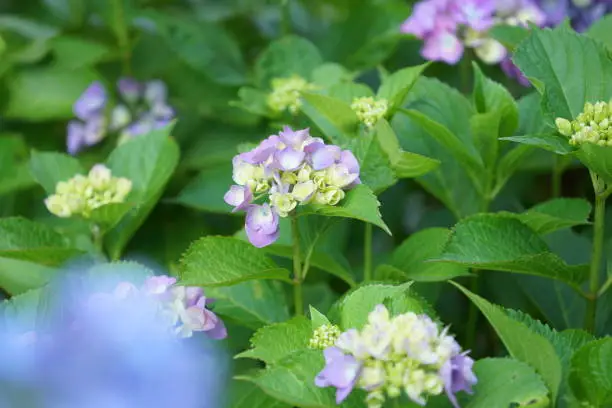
(551, 142)
(411, 257)
(26, 240)
(317, 318)
(598, 159)
(591, 373)
(223, 261)
(49, 168)
(351, 311)
(556, 214)
(291, 380)
(148, 161)
(396, 86)
(277, 341)
(287, 56)
(503, 382)
(544, 56)
(503, 243)
(332, 116)
(359, 203)
(376, 170)
(522, 343)
(404, 164)
(252, 304)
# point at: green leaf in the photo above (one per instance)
(73, 52)
(556, 214)
(396, 86)
(204, 46)
(598, 159)
(223, 261)
(404, 164)
(522, 343)
(109, 215)
(489, 96)
(49, 168)
(287, 56)
(503, 382)
(290, 380)
(62, 89)
(26, 240)
(591, 373)
(600, 30)
(360, 203)
(277, 341)
(248, 395)
(252, 100)
(509, 36)
(352, 310)
(348, 91)
(463, 153)
(333, 116)
(252, 304)
(485, 128)
(376, 170)
(317, 318)
(412, 255)
(503, 243)
(330, 74)
(148, 161)
(14, 167)
(205, 192)
(17, 277)
(551, 142)
(544, 56)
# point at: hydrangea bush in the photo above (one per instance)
(306, 204)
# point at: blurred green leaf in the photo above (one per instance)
(600, 30)
(72, 52)
(333, 116)
(249, 395)
(598, 159)
(396, 86)
(509, 36)
(49, 168)
(205, 192)
(17, 276)
(109, 215)
(591, 372)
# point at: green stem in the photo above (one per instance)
(98, 239)
(598, 239)
(557, 175)
(465, 72)
(285, 18)
(297, 269)
(472, 322)
(367, 253)
(121, 32)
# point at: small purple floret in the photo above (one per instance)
(341, 371)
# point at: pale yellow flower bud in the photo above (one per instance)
(123, 187)
(57, 205)
(100, 177)
(564, 126)
(303, 192)
(283, 203)
(369, 110)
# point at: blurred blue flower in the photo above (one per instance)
(582, 13)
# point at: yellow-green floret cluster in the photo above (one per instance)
(286, 93)
(593, 125)
(370, 110)
(324, 336)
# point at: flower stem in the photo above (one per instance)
(97, 237)
(367, 253)
(285, 18)
(598, 239)
(297, 269)
(121, 32)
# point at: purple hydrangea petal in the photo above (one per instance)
(95, 130)
(91, 102)
(347, 158)
(75, 139)
(294, 138)
(262, 225)
(443, 46)
(477, 14)
(219, 331)
(289, 159)
(325, 156)
(155, 92)
(129, 89)
(457, 375)
(512, 71)
(239, 197)
(341, 371)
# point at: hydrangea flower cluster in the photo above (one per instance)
(286, 93)
(290, 169)
(182, 309)
(582, 13)
(448, 26)
(370, 110)
(389, 355)
(593, 125)
(324, 336)
(142, 107)
(82, 194)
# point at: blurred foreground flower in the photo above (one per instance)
(81, 195)
(142, 107)
(393, 354)
(581, 13)
(114, 350)
(290, 169)
(593, 125)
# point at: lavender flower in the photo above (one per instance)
(290, 169)
(582, 13)
(110, 349)
(91, 102)
(389, 355)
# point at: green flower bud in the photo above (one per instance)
(57, 205)
(324, 336)
(564, 126)
(286, 93)
(283, 203)
(369, 110)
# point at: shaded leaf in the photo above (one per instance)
(591, 373)
(396, 86)
(49, 168)
(551, 142)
